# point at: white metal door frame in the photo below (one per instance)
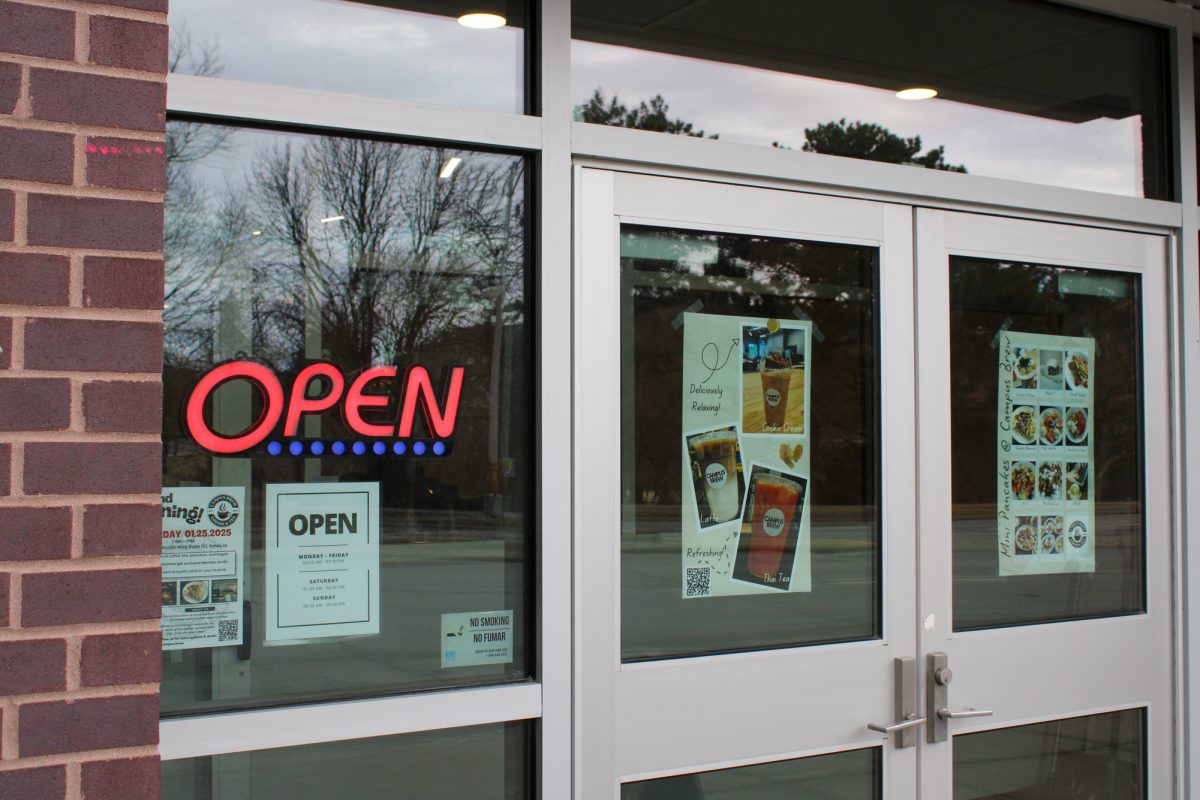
(613, 728)
(605, 690)
(1131, 655)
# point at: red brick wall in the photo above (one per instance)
(82, 101)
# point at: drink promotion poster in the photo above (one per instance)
(322, 554)
(1045, 453)
(745, 519)
(203, 564)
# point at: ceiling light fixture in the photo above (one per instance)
(482, 20)
(256, 233)
(917, 94)
(337, 218)
(449, 167)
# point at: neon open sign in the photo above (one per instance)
(390, 402)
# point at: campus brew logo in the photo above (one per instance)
(772, 521)
(223, 511)
(377, 403)
(716, 475)
(773, 397)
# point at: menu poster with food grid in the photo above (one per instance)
(203, 564)
(1045, 452)
(745, 521)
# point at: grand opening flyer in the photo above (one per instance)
(203, 566)
(746, 390)
(1045, 437)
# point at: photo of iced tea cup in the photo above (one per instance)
(715, 454)
(775, 501)
(775, 385)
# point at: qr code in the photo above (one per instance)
(227, 630)
(699, 581)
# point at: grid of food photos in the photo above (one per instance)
(1045, 445)
(199, 592)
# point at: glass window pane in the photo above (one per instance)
(852, 775)
(1027, 90)
(1099, 757)
(397, 49)
(413, 766)
(754, 548)
(1047, 493)
(299, 252)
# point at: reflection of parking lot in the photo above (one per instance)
(656, 619)
(421, 578)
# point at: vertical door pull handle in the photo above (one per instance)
(906, 709)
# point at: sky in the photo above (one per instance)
(360, 49)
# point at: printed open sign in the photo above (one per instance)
(328, 524)
(378, 403)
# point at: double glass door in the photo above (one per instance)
(870, 500)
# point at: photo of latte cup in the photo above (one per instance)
(715, 454)
(775, 500)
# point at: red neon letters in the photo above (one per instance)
(319, 387)
(255, 374)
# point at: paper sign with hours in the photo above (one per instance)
(322, 560)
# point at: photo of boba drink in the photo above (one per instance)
(716, 475)
(774, 364)
(776, 379)
(770, 527)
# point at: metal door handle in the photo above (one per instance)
(905, 708)
(911, 721)
(945, 713)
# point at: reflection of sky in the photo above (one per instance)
(366, 50)
(358, 49)
(758, 106)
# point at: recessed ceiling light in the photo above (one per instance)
(337, 218)
(916, 94)
(256, 233)
(482, 20)
(449, 167)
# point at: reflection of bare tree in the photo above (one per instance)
(360, 238)
(288, 248)
(384, 252)
(189, 57)
(197, 251)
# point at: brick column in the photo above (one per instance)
(82, 108)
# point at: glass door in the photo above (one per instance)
(745, 512)
(1044, 523)
(867, 514)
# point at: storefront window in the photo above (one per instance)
(346, 463)
(485, 762)
(1029, 91)
(407, 50)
